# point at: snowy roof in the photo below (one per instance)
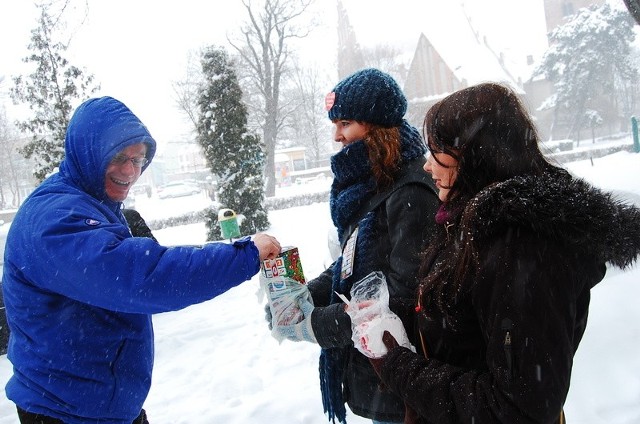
(478, 50)
(463, 50)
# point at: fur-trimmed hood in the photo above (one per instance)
(560, 207)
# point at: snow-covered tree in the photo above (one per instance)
(265, 50)
(593, 120)
(588, 63)
(307, 124)
(235, 156)
(186, 89)
(50, 92)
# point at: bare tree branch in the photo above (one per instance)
(265, 52)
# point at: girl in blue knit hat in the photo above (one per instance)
(382, 204)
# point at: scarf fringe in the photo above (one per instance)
(332, 400)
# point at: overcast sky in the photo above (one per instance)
(137, 49)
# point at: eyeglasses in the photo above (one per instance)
(122, 159)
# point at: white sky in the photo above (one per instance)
(136, 49)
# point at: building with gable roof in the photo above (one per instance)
(459, 55)
(463, 52)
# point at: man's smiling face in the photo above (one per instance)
(123, 172)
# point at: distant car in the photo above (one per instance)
(177, 189)
(140, 189)
(129, 202)
(316, 178)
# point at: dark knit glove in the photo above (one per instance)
(332, 326)
(390, 343)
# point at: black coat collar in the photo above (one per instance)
(560, 207)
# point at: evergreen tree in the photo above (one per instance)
(589, 64)
(234, 156)
(49, 91)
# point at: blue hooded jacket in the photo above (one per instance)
(80, 290)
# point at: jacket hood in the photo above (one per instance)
(563, 208)
(99, 129)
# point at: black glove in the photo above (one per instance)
(390, 342)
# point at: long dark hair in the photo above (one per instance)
(488, 130)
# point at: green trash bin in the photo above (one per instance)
(228, 221)
(634, 130)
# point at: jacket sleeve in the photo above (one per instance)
(330, 323)
(525, 299)
(410, 213)
(98, 262)
(320, 287)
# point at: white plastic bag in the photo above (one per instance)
(371, 316)
(283, 294)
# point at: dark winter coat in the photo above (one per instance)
(137, 224)
(79, 289)
(390, 239)
(503, 351)
(4, 328)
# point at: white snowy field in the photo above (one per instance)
(217, 363)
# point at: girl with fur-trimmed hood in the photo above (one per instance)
(505, 285)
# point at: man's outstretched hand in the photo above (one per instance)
(268, 246)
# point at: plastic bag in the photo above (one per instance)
(283, 294)
(282, 280)
(371, 316)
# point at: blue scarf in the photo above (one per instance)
(352, 186)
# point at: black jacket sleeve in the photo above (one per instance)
(4, 327)
(137, 224)
(331, 324)
(320, 287)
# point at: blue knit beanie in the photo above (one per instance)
(368, 95)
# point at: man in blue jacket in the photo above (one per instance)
(79, 289)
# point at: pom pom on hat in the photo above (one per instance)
(368, 95)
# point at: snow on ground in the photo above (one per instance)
(217, 363)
